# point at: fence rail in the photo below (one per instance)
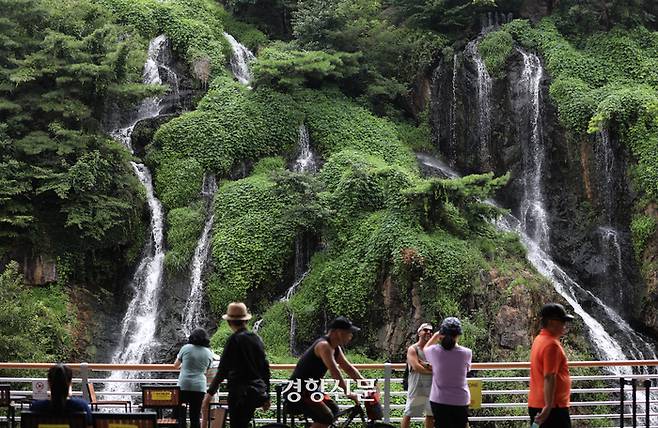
(597, 396)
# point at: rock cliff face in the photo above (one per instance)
(39, 269)
(586, 193)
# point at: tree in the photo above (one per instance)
(65, 186)
(584, 16)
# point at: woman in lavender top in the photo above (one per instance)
(449, 396)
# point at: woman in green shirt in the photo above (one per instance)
(194, 359)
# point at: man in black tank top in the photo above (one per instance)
(325, 354)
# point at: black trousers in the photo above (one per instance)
(193, 400)
(447, 416)
(240, 413)
(558, 418)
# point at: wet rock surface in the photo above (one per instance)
(587, 196)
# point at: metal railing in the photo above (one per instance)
(596, 395)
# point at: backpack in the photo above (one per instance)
(405, 376)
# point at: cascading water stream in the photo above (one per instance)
(611, 250)
(493, 20)
(605, 159)
(193, 307)
(240, 60)
(534, 218)
(609, 235)
(293, 322)
(611, 336)
(305, 163)
(453, 109)
(306, 159)
(484, 86)
(534, 229)
(437, 165)
(257, 325)
(534, 232)
(138, 327)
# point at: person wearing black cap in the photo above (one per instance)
(325, 354)
(550, 384)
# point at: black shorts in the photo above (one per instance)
(447, 416)
(558, 418)
(323, 412)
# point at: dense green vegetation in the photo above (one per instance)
(351, 71)
(194, 27)
(257, 221)
(608, 80)
(35, 324)
(66, 190)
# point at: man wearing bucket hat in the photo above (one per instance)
(325, 354)
(420, 380)
(244, 365)
(550, 383)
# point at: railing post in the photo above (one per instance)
(647, 408)
(622, 383)
(387, 392)
(634, 386)
(279, 404)
(84, 379)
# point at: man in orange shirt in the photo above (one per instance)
(550, 384)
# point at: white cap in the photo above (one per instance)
(425, 325)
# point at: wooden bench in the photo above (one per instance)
(94, 402)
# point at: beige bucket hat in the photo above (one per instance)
(236, 311)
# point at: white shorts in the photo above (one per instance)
(417, 406)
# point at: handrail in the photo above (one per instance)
(495, 401)
(375, 366)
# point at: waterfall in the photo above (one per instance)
(608, 346)
(305, 160)
(257, 325)
(193, 306)
(610, 173)
(139, 323)
(607, 165)
(444, 171)
(301, 269)
(150, 107)
(611, 250)
(191, 317)
(305, 163)
(293, 323)
(492, 20)
(240, 60)
(483, 103)
(534, 218)
(452, 151)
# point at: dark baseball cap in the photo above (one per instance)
(555, 311)
(342, 323)
(451, 326)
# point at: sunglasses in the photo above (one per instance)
(428, 330)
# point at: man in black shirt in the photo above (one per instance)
(324, 354)
(244, 365)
